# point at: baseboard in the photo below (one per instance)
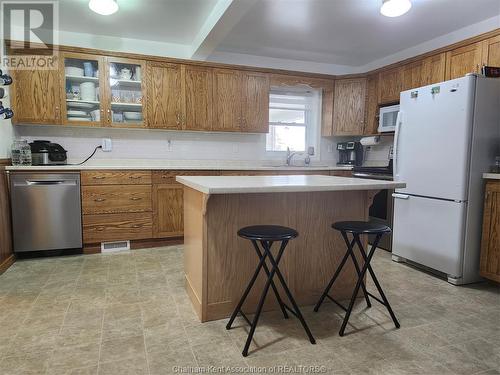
(7, 263)
(138, 244)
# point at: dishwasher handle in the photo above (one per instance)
(47, 182)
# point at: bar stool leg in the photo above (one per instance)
(332, 281)
(298, 314)
(350, 247)
(359, 282)
(246, 292)
(379, 288)
(264, 294)
(266, 270)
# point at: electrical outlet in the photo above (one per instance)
(330, 148)
(107, 145)
(169, 146)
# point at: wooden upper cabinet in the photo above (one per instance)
(390, 85)
(433, 69)
(255, 103)
(490, 243)
(349, 106)
(463, 60)
(412, 75)
(125, 92)
(491, 51)
(372, 109)
(227, 100)
(35, 96)
(198, 98)
(164, 81)
(327, 109)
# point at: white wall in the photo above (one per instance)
(153, 144)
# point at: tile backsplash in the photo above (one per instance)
(152, 144)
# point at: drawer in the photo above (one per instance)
(341, 173)
(116, 178)
(117, 227)
(116, 199)
(168, 177)
(250, 173)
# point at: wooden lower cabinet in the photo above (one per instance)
(117, 227)
(490, 245)
(168, 211)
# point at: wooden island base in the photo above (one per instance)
(218, 264)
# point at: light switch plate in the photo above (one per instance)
(107, 145)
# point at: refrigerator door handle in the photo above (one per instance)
(400, 196)
(399, 119)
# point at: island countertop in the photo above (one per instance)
(282, 184)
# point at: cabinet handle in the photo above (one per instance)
(100, 229)
(99, 200)
(135, 177)
(109, 115)
(136, 226)
(135, 199)
(164, 176)
(58, 113)
(98, 177)
(178, 117)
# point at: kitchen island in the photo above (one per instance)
(218, 264)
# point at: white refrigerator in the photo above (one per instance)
(447, 135)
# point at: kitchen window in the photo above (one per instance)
(294, 115)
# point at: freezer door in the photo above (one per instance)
(432, 139)
(429, 232)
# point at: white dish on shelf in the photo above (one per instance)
(76, 113)
(73, 71)
(82, 105)
(132, 116)
(79, 119)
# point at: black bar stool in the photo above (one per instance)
(357, 228)
(267, 235)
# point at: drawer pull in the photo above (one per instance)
(136, 226)
(99, 200)
(135, 177)
(164, 176)
(98, 177)
(135, 199)
(100, 229)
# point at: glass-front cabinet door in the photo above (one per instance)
(125, 92)
(83, 88)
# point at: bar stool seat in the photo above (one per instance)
(361, 227)
(357, 228)
(266, 235)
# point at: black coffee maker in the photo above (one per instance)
(350, 153)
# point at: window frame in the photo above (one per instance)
(312, 121)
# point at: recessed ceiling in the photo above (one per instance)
(169, 21)
(346, 32)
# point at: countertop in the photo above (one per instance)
(280, 184)
(152, 164)
(491, 176)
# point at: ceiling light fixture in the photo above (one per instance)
(103, 7)
(395, 8)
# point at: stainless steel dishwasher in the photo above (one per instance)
(46, 211)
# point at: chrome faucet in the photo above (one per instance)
(290, 155)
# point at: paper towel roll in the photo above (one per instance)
(370, 141)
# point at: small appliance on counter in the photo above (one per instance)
(47, 153)
(350, 153)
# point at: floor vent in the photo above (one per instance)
(113, 247)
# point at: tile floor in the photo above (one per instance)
(128, 314)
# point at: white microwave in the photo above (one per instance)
(387, 118)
